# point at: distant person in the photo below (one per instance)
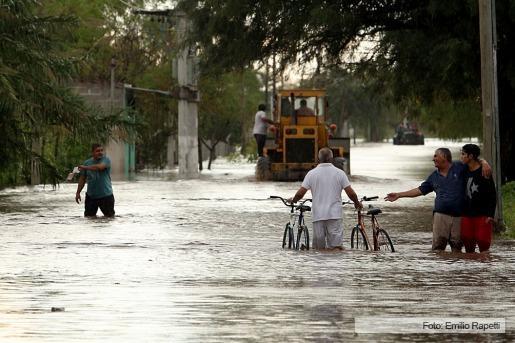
(447, 181)
(304, 110)
(326, 183)
(480, 202)
(260, 126)
(96, 171)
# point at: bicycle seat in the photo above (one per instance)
(303, 208)
(374, 211)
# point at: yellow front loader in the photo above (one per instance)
(292, 146)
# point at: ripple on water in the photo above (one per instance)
(200, 260)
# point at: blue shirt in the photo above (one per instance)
(99, 181)
(449, 189)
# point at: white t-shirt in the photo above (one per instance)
(259, 124)
(326, 183)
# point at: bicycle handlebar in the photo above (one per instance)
(286, 202)
(364, 198)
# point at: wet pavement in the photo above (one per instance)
(201, 260)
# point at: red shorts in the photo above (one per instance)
(475, 230)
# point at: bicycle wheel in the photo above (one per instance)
(288, 237)
(303, 238)
(357, 239)
(384, 243)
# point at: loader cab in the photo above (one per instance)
(306, 108)
(291, 150)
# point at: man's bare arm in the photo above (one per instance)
(94, 167)
(299, 195)
(486, 170)
(80, 186)
(415, 192)
(268, 121)
(353, 196)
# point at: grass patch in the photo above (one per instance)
(508, 207)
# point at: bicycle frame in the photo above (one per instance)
(296, 219)
(362, 227)
(296, 222)
(377, 231)
(374, 225)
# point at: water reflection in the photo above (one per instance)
(200, 260)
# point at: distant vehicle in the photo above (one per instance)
(408, 135)
(291, 150)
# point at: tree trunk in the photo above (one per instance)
(35, 161)
(343, 120)
(243, 97)
(200, 166)
(212, 154)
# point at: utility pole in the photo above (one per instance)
(130, 145)
(186, 93)
(188, 102)
(111, 92)
(274, 90)
(267, 71)
(491, 136)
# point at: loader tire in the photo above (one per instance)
(263, 169)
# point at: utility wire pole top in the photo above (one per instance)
(187, 93)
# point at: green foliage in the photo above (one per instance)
(109, 29)
(452, 119)
(424, 54)
(158, 115)
(36, 107)
(141, 48)
(236, 156)
(250, 151)
(508, 199)
(227, 108)
(430, 53)
(370, 113)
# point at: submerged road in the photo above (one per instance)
(200, 260)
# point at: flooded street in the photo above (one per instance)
(201, 260)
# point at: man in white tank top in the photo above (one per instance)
(326, 183)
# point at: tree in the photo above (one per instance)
(37, 109)
(228, 103)
(426, 52)
(109, 29)
(142, 48)
(356, 100)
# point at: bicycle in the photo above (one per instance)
(359, 238)
(296, 221)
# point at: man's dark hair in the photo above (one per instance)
(446, 153)
(303, 102)
(94, 146)
(262, 107)
(471, 149)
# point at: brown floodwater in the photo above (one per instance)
(201, 260)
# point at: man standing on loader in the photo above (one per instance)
(260, 127)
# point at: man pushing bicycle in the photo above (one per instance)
(326, 183)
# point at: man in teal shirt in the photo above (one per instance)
(96, 171)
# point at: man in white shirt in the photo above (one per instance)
(260, 126)
(326, 183)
